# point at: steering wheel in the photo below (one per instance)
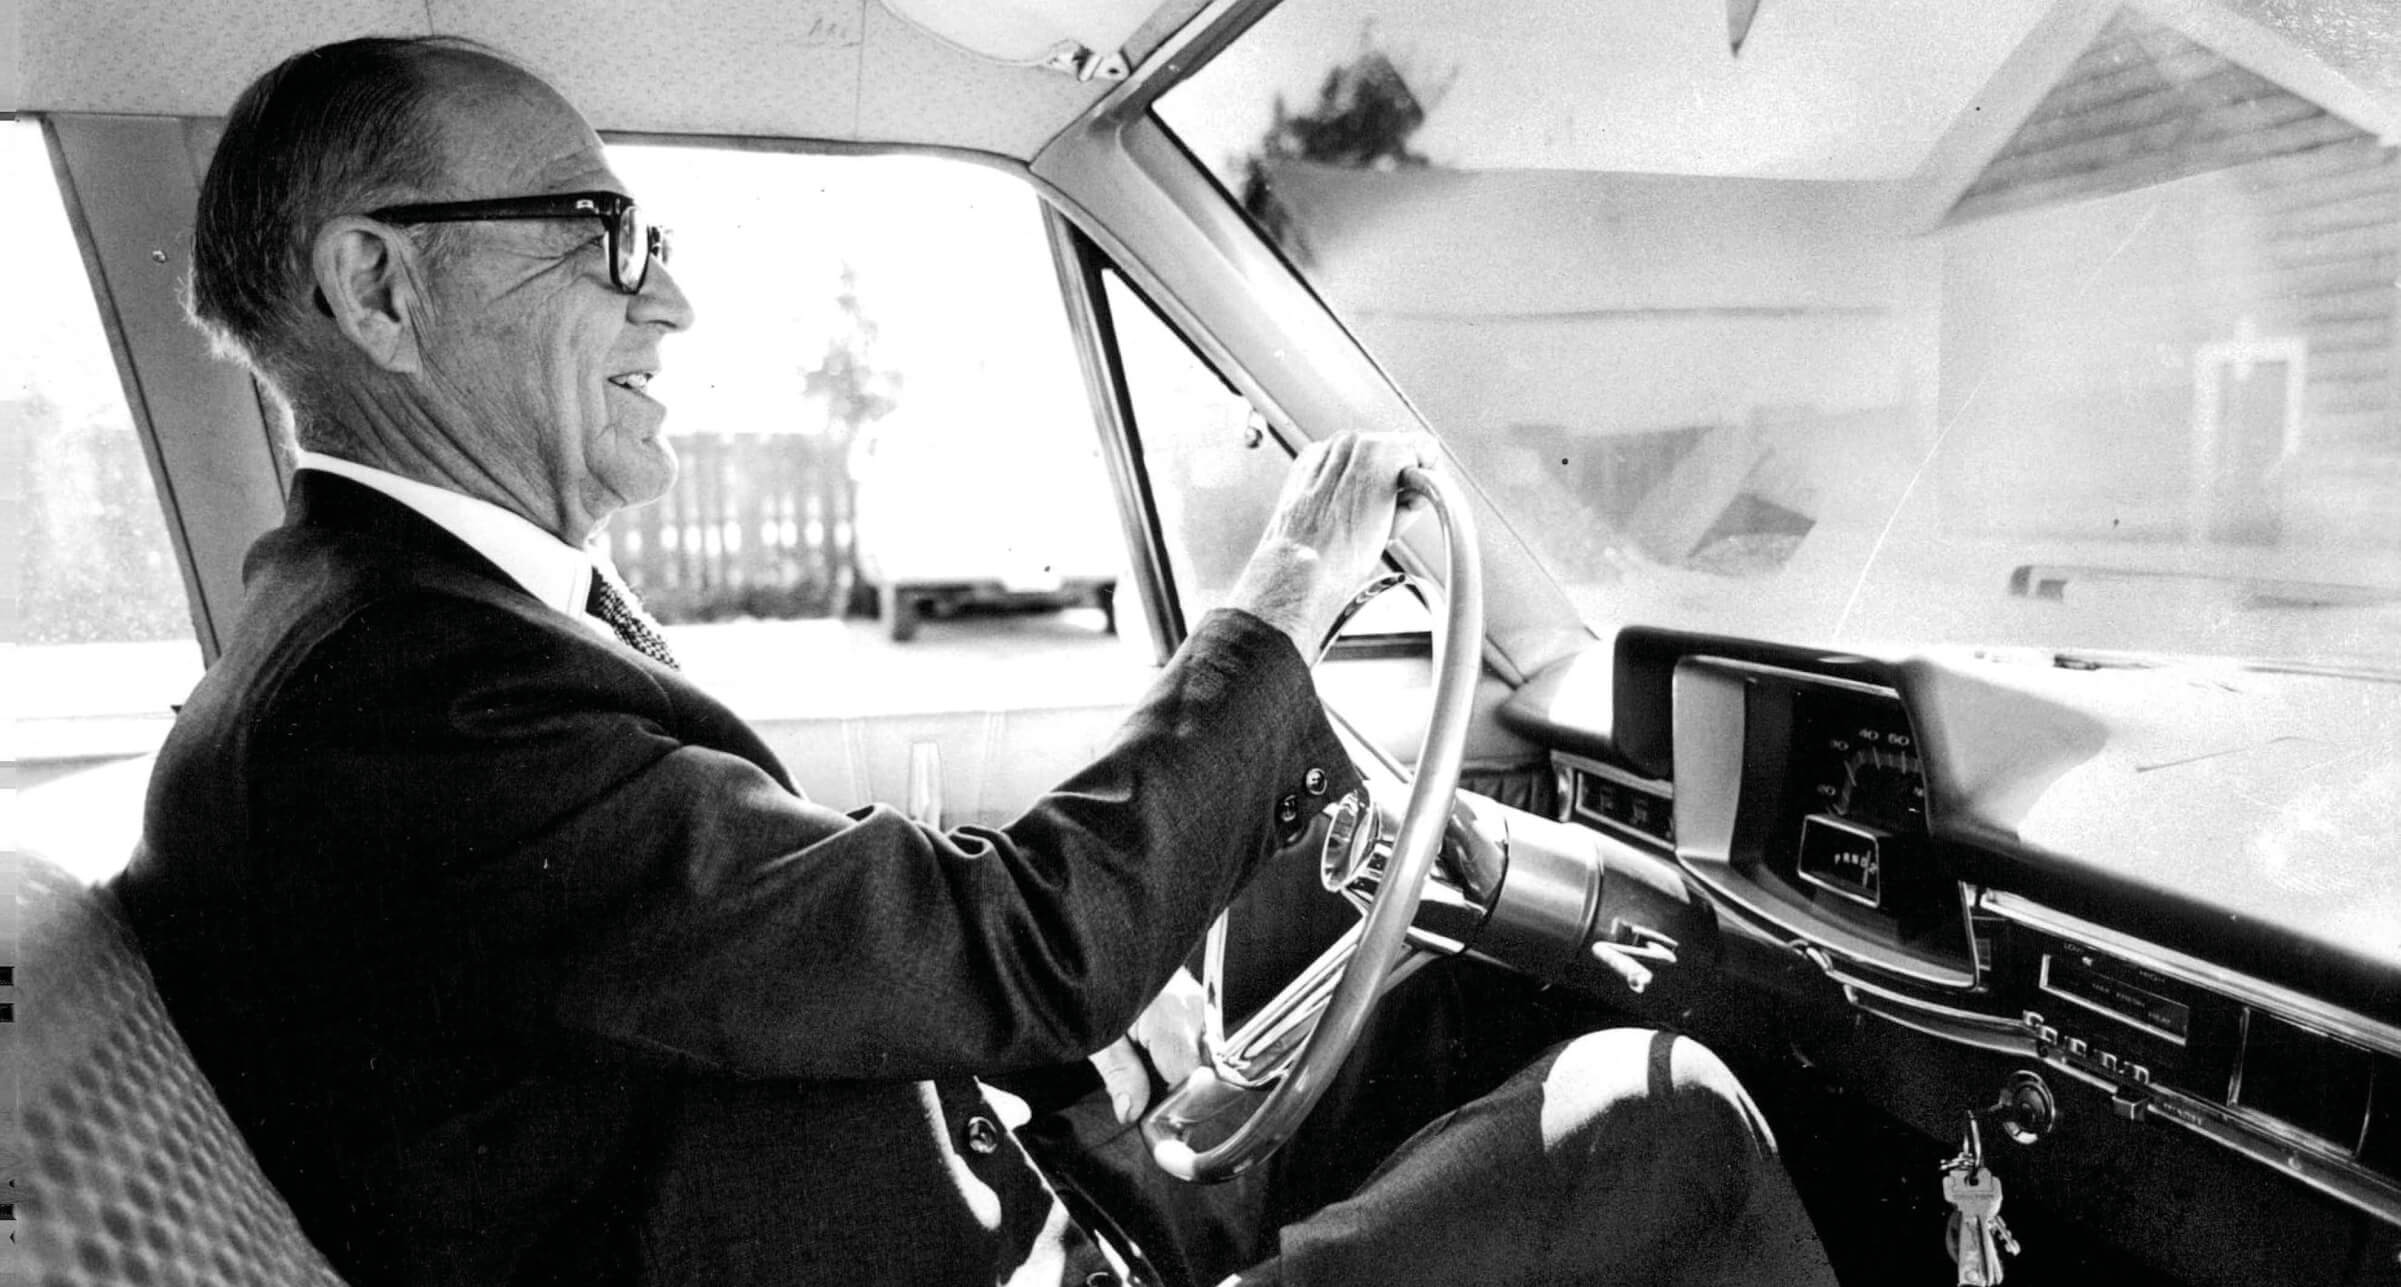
(1286, 1055)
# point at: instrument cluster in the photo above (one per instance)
(1802, 800)
(1854, 823)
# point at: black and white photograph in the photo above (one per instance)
(1200, 643)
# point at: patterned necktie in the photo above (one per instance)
(625, 616)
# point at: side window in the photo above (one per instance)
(891, 496)
(1214, 475)
(102, 631)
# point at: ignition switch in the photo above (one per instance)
(2026, 1110)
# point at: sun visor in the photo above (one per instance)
(1084, 37)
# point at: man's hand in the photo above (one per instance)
(1170, 1030)
(1339, 509)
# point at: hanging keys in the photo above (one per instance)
(1975, 1198)
(1977, 1233)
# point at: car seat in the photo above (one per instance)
(131, 1171)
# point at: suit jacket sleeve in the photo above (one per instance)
(538, 803)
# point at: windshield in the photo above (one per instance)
(1874, 321)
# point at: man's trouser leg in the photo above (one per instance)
(1603, 1160)
(1628, 1156)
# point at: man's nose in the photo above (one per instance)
(661, 300)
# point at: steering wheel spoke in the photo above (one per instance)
(1260, 1051)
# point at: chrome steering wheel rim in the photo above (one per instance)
(1381, 945)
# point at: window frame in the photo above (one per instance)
(208, 430)
(130, 186)
(1093, 329)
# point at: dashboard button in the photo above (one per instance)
(2141, 1075)
(2076, 1047)
(2109, 1062)
(2034, 1020)
(2049, 1035)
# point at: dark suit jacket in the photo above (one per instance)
(518, 958)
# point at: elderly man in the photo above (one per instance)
(519, 959)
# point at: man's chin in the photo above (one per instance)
(642, 472)
(661, 477)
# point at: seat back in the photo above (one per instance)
(133, 1171)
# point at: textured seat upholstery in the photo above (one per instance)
(131, 1171)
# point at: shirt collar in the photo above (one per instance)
(548, 568)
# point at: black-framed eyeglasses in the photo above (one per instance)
(633, 240)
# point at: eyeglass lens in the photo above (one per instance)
(638, 241)
(629, 244)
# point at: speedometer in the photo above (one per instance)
(1876, 776)
(1863, 768)
(1861, 791)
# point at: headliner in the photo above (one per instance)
(839, 70)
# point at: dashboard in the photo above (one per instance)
(1938, 841)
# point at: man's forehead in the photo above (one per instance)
(506, 133)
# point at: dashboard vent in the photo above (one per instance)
(1610, 798)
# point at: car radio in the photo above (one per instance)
(2120, 990)
(2130, 1024)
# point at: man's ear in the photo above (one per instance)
(363, 279)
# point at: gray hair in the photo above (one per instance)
(339, 129)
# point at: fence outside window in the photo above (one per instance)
(757, 525)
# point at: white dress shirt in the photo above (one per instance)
(548, 568)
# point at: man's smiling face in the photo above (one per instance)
(528, 347)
